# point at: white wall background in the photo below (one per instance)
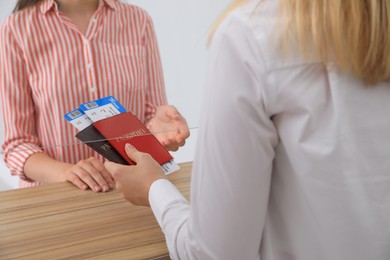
(6, 180)
(182, 28)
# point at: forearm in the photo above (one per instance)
(41, 167)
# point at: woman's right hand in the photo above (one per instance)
(90, 173)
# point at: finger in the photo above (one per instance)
(171, 112)
(182, 143)
(86, 178)
(104, 173)
(180, 140)
(184, 132)
(172, 148)
(134, 154)
(75, 180)
(165, 141)
(178, 117)
(96, 175)
(175, 139)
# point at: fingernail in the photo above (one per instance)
(128, 147)
(97, 188)
(105, 188)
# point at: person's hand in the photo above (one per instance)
(169, 127)
(90, 173)
(134, 181)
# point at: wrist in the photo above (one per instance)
(63, 170)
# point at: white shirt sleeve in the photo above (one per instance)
(232, 170)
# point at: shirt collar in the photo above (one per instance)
(48, 5)
(111, 3)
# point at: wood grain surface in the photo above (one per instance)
(59, 221)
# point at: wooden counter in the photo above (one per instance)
(59, 221)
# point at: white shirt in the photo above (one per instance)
(293, 157)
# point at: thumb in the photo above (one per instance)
(133, 153)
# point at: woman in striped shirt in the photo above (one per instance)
(56, 55)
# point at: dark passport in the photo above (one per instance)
(94, 139)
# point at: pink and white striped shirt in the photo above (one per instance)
(48, 68)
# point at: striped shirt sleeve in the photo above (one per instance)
(156, 95)
(18, 110)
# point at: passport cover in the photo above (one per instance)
(91, 136)
(127, 128)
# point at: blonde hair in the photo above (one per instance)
(356, 33)
(219, 20)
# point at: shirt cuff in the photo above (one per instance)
(163, 193)
(16, 158)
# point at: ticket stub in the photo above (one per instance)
(78, 119)
(102, 108)
(170, 167)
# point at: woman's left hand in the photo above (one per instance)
(169, 127)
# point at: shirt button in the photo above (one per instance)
(93, 89)
(94, 20)
(89, 66)
(85, 42)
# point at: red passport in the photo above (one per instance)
(126, 128)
